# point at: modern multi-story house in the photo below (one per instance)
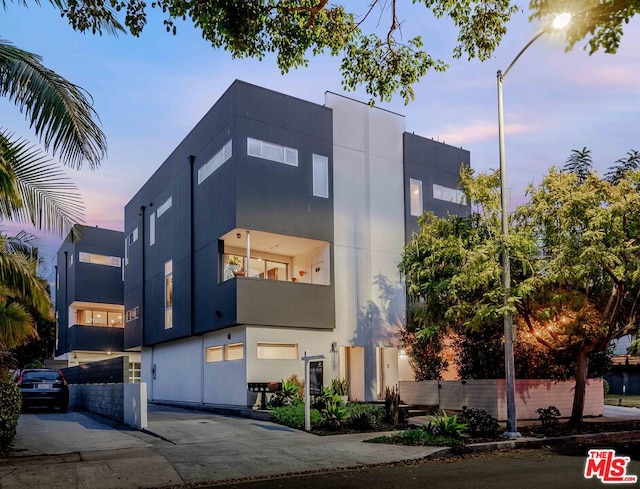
(275, 228)
(90, 296)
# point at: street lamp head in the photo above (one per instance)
(561, 20)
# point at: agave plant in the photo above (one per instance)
(446, 425)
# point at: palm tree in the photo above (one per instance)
(33, 188)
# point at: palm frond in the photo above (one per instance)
(47, 197)
(16, 325)
(59, 111)
(19, 279)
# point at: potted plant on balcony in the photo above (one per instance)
(235, 265)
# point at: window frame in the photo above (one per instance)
(418, 183)
(285, 152)
(324, 160)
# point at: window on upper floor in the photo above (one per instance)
(215, 162)
(320, 176)
(164, 207)
(96, 317)
(133, 237)
(133, 313)
(272, 152)
(71, 260)
(448, 194)
(95, 259)
(168, 295)
(415, 197)
(152, 229)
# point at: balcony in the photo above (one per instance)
(95, 338)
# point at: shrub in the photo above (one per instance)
(363, 420)
(10, 403)
(340, 387)
(333, 416)
(392, 406)
(327, 397)
(548, 416)
(372, 411)
(293, 416)
(448, 426)
(479, 422)
(421, 437)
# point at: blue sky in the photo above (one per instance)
(150, 91)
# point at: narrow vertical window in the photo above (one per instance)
(415, 197)
(168, 294)
(57, 280)
(152, 229)
(320, 176)
(126, 251)
(71, 260)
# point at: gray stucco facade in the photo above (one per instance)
(244, 193)
(78, 281)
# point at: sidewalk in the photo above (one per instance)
(75, 451)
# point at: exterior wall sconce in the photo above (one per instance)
(334, 347)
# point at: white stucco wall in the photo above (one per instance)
(368, 231)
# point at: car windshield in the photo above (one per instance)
(41, 376)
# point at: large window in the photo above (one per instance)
(107, 319)
(111, 261)
(320, 176)
(215, 162)
(449, 194)
(278, 351)
(234, 265)
(168, 294)
(273, 152)
(415, 197)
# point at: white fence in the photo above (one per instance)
(490, 394)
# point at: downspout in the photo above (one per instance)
(142, 268)
(192, 267)
(66, 304)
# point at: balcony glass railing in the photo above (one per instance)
(235, 265)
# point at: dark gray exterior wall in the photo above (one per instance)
(431, 162)
(245, 192)
(87, 282)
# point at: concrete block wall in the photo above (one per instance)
(104, 399)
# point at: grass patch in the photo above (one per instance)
(417, 437)
(620, 400)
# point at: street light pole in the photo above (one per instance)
(512, 426)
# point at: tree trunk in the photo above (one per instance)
(581, 385)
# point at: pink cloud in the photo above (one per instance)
(480, 131)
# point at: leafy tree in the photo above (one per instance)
(622, 166)
(371, 52)
(575, 261)
(580, 163)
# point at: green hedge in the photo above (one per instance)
(10, 402)
(293, 416)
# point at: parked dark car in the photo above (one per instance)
(43, 388)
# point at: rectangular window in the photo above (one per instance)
(448, 194)
(272, 152)
(214, 354)
(215, 162)
(133, 314)
(133, 237)
(168, 295)
(89, 317)
(135, 372)
(57, 280)
(320, 176)
(110, 261)
(126, 253)
(415, 197)
(164, 207)
(71, 259)
(278, 351)
(234, 351)
(152, 229)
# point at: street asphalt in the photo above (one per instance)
(76, 451)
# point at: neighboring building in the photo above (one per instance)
(89, 297)
(276, 228)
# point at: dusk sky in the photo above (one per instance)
(150, 91)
